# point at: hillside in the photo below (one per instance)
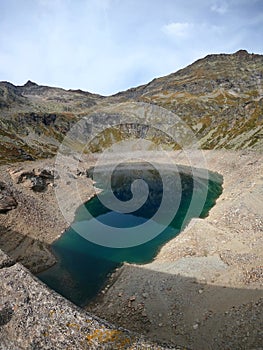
(33, 118)
(220, 97)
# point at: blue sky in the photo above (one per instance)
(105, 46)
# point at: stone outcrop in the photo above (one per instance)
(34, 317)
(36, 179)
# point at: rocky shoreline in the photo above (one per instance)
(204, 288)
(37, 316)
(28, 231)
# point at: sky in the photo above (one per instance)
(107, 46)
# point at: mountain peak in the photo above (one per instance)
(241, 53)
(30, 83)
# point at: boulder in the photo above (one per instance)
(35, 179)
(7, 201)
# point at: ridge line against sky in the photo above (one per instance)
(107, 46)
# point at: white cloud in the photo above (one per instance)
(103, 4)
(177, 29)
(220, 8)
(105, 46)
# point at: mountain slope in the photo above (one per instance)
(34, 119)
(220, 97)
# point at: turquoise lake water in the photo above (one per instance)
(83, 266)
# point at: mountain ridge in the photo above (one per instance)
(220, 97)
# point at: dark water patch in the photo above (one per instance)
(83, 266)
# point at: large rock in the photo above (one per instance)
(34, 317)
(7, 201)
(5, 260)
(35, 179)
